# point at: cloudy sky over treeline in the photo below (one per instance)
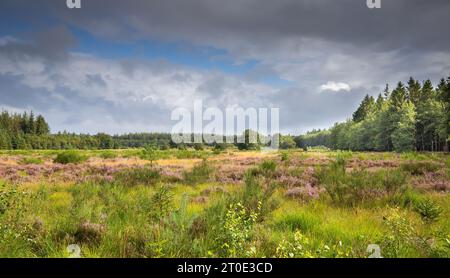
(121, 66)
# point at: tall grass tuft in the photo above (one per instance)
(137, 176)
(200, 173)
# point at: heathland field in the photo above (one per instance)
(205, 203)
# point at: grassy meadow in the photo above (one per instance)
(204, 203)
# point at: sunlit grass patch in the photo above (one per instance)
(26, 160)
(60, 200)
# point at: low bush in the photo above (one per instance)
(200, 173)
(255, 194)
(402, 238)
(428, 210)
(237, 229)
(161, 203)
(267, 168)
(67, 157)
(419, 167)
(358, 186)
(284, 156)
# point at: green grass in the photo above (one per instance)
(200, 173)
(137, 176)
(27, 160)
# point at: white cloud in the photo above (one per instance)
(335, 86)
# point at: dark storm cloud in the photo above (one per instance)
(50, 44)
(399, 23)
(307, 42)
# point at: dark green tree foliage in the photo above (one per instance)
(414, 91)
(413, 118)
(287, 142)
(250, 140)
(19, 131)
(366, 107)
(398, 96)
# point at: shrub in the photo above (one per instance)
(237, 228)
(419, 167)
(136, 176)
(67, 157)
(149, 153)
(256, 195)
(359, 185)
(161, 202)
(199, 173)
(219, 147)
(406, 199)
(284, 156)
(428, 210)
(401, 238)
(268, 168)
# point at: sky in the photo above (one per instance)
(121, 66)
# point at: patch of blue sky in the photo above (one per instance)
(183, 53)
(276, 81)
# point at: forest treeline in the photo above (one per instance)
(415, 116)
(26, 131)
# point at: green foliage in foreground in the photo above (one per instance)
(359, 186)
(141, 214)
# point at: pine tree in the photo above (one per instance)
(379, 102)
(398, 96)
(427, 91)
(31, 124)
(367, 106)
(42, 127)
(386, 92)
(414, 91)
